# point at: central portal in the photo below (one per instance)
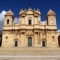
(29, 41)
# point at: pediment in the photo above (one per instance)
(29, 33)
(15, 39)
(29, 12)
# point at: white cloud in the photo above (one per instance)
(44, 22)
(2, 15)
(58, 30)
(3, 12)
(2, 18)
(16, 20)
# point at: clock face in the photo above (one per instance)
(52, 21)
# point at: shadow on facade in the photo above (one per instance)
(0, 38)
(59, 40)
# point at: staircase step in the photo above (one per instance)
(30, 51)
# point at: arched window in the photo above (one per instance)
(29, 21)
(7, 21)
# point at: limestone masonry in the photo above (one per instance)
(30, 31)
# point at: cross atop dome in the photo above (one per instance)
(30, 8)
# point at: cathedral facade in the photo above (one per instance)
(30, 31)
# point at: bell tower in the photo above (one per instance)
(37, 16)
(30, 16)
(9, 18)
(51, 18)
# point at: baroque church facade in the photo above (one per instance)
(30, 31)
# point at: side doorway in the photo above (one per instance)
(43, 43)
(16, 42)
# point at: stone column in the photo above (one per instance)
(22, 39)
(36, 39)
(25, 39)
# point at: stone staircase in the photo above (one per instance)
(30, 53)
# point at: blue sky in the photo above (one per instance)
(43, 5)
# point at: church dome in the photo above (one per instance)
(9, 13)
(50, 12)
